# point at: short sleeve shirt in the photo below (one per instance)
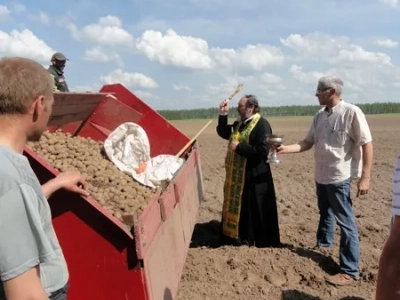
(396, 189)
(337, 136)
(27, 237)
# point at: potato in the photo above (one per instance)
(114, 190)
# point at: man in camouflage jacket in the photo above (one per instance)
(56, 70)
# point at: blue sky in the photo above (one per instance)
(180, 54)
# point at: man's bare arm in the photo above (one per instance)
(50, 187)
(367, 151)
(295, 148)
(26, 286)
(388, 283)
(70, 181)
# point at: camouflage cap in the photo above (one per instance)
(59, 56)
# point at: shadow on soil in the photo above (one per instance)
(296, 295)
(326, 263)
(167, 294)
(207, 235)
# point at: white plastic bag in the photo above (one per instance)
(128, 146)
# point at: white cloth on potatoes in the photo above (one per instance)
(128, 146)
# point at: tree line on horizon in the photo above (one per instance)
(278, 111)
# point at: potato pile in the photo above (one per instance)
(116, 191)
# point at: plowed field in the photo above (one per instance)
(293, 271)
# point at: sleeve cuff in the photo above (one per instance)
(366, 141)
(308, 140)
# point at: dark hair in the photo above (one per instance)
(252, 101)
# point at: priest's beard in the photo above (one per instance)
(244, 116)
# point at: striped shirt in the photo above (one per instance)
(337, 136)
(396, 189)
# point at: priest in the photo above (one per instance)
(249, 214)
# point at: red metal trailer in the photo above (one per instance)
(105, 259)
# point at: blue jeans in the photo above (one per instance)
(61, 294)
(334, 203)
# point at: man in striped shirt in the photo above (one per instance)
(343, 151)
(388, 285)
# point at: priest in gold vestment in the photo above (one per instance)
(249, 215)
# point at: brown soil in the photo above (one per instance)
(292, 272)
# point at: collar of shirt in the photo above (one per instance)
(59, 72)
(248, 119)
(333, 109)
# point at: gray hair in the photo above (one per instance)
(331, 82)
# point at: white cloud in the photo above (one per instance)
(309, 77)
(129, 79)
(273, 90)
(361, 85)
(221, 4)
(180, 87)
(4, 13)
(253, 57)
(194, 53)
(300, 97)
(18, 8)
(279, 65)
(86, 88)
(388, 43)
(107, 31)
(145, 95)
(24, 43)
(98, 54)
(364, 71)
(356, 54)
(42, 17)
(172, 49)
(271, 79)
(333, 50)
(219, 92)
(354, 79)
(392, 3)
(263, 85)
